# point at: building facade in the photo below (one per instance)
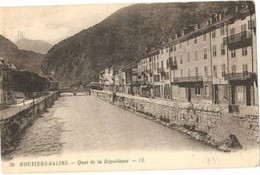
(212, 62)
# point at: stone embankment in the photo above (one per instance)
(208, 124)
(13, 125)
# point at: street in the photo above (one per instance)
(84, 123)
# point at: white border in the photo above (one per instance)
(237, 171)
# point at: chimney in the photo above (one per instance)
(208, 22)
(182, 32)
(196, 26)
(220, 17)
(236, 9)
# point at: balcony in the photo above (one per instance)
(238, 40)
(173, 65)
(161, 71)
(240, 76)
(134, 73)
(150, 72)
(190, 79)
(251, 24)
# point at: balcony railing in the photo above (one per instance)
(173, 65)
(240, 76)
(239, 38)
(190, 79)
(251, 24)
(150, 72)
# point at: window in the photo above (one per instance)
(223, 50)
(167, 64)
(175, 59)
(243, 28)
(244, 51)
(171, 48)
(181, 72)
(223, 67)
(174, 47)
(214, 33)
(226, 89)
(245, 69)
(196, 71)
(206, 90)
(180, 45)
(162, 51)
(195, 40)
(188, 42)
(240, 93)
(232, 31)
(205, 53)
(214, 50)
(188, 56)
(205, 37)
(215, 72)
(233, 53)
(206, 71)
(157, 65)
(188, 72)
(197, 89)
(222, 30)
(196, 55)
(166, 76)
(233, 69)
(180, 59)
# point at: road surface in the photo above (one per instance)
(85, 123)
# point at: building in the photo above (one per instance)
(212, 62)
(217, 61)
(6, 94)
(1, 83)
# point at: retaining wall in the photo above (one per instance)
(209, 124)
(12, 126)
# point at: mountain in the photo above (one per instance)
(22, 59)
(37, 46)
(122, 37)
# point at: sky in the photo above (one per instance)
(52, 23)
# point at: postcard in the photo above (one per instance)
(116, 87)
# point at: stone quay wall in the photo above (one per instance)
(206, 123)
(12, 126)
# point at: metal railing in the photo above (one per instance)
(173, 65)
(188, 79)
(160, 70)
(251, 24)
(239, 76)
(246, 35)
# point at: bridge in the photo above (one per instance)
(73, 91)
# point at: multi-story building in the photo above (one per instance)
(214, 62)
(217, 61)
(1, 83)
(6, 82)
(106, 78)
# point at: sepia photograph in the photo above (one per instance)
(129, 86)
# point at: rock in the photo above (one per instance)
(231, 142)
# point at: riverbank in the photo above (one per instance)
(207, 124)
(15, 120)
